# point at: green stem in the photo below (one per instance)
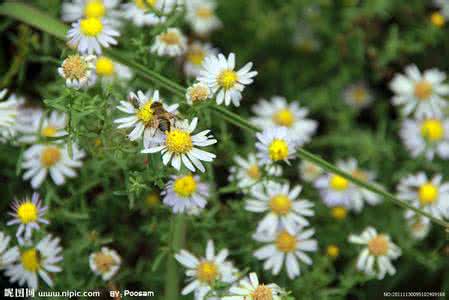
(44, 22)
(177, 234)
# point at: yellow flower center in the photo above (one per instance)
(332, 251)
(432, 130)
(91, 26)
(27, 212)
(104, 66)
(152, 199)
(48, 131)
(103, 262)
(437, 19)
(170, 38)
(204, 12)
(423, 90)
(286, 242)
(50, 156)
(185, 186)
(378, 245)
(284, 117)
(94, 9)
(339, 212)
(227, 79)
(428, 193)
(360, 175)
(278, 150)
(359, 95)
(145, 113)
(280, 204)
(262, 292)
(207, 271)
(179, 141)
(142, 4)
(196, 55)
(338, 183)
(198, 93)
(254, 172)
(74, 67)
(30, 260)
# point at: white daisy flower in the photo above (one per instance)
(418, 225)
(40, 159)
(305, 39)
(284, 247)
(247, 173)
(444, 6)
(358, 95)
(279, 113)
(375, 259)
(89, 35)
(110, 71)
(105, 263)
(143, 119)
(250, 289)
(169, 43)
(281, 206)
(180, 145)
(78, 71)
(430, 195)
(106, 9)
(148, 12)
(218, 73)
(426, 136)
(9, 111)
(40, 126)
(28, 213)
(7, 256)
(203, 272)
(309, 172)
(274, 145)
(39, 260)
(194, 57)
(198, 92)
(184, 192)
(201, 16)
(338, 191)
(422, 94)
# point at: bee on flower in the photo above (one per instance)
(204, 272)
(375, 259)
(105, 263)
(358, 95)
(41, 159)
(251, 288)
(27, 213)
(148, 116)
(78, 71)
(247, 173)
(275, 144)
(110, 71)
(309, 171)
(428, 194)
(148, 12)
(201, 16)
(196, 93)
(169, 43)
(103, 9)
(194, 57)
(279, 113)
(336, 190)
(89, 35)
(281, 205)
(41, 126)
(185, 192)
(283, 247)
(429, 137)
(421, 94)
(7, 256)
(225, 83)
(182, 148)
(36, 261)
(9, 111)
